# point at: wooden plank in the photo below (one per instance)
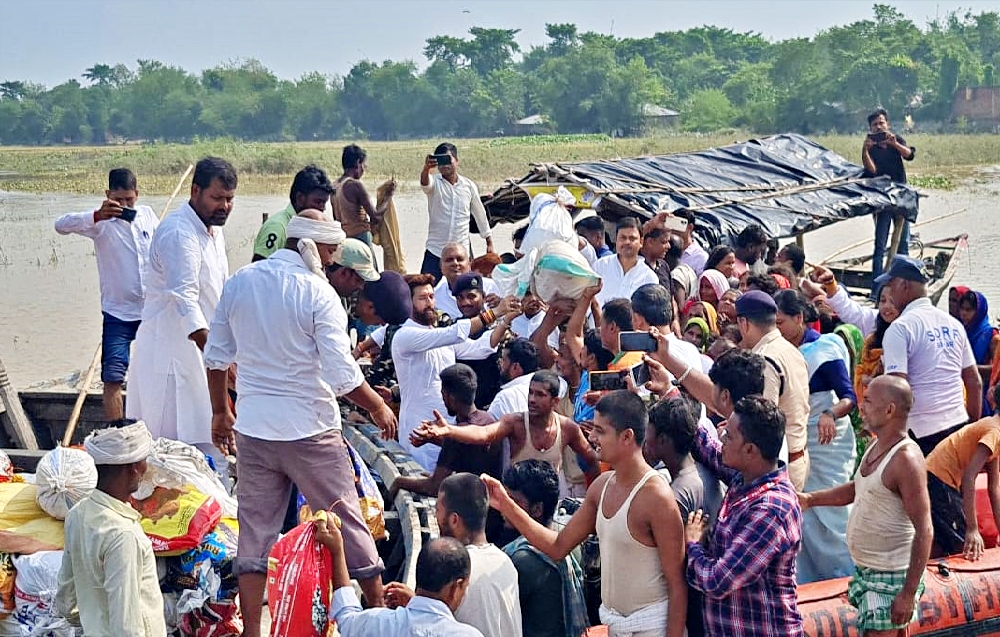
(20, 427)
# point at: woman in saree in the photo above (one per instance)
(831, 440)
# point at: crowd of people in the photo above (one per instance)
(771, 430)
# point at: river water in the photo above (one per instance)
(50, 301)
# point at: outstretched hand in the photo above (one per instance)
(499, 498)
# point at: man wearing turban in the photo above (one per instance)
(284, 326)
(108, 569)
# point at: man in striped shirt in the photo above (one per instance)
(747, 569)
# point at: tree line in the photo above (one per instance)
(578, 82)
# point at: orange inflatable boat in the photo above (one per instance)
(961, 599)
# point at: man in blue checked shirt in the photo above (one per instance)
(747, 569)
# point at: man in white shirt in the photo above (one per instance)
(184, 278)
(492, 603)
(694, 256)
(929, 348)
(420, 351)
(122, 232)
(286, 329)
(450, 200)
(622, 273)
(455, 263)
(518, 361)
(443, 569)
(108, 568)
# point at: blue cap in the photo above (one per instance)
(755, 303)
(468, 281)
(903, 267)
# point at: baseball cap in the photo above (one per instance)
(755, 303)
(356, 255)
(904, 267)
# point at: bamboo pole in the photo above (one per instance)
(74, 417)
(21, 430)
(858, 244)
(898, 223)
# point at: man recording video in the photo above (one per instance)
(883, 154)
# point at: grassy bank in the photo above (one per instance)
(268, 168)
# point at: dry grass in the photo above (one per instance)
(268, 168)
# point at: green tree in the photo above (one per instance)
(708, 110)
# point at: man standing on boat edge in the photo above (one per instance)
(285, 327)
(883, 153)
(451, 198)
(122, 232)
(184, 278)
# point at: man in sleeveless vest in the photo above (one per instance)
(539, 433)
(636, 518)
(889, 531)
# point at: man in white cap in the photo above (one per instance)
(286, 329)
(108, 569)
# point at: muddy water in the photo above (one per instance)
(50, 305)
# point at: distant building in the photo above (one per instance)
(980, 104)
(658, 118)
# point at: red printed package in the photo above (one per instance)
(299, 585)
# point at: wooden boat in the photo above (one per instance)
(941, 257)
(409, 520)
(786, 184)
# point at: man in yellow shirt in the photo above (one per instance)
(951, 481)
(108, 568)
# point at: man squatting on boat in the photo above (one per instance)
(751, 394)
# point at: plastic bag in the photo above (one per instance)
(207, 568)
(299, 584)
(34, 595)
(549, 221)
(6, 468)
(7, 575)
(177, 520)
(20, 515)
(64, 476)
(369, 496)
(213, 619)
(175, 465)
(561, 271)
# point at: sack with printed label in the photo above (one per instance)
(177, 520)
(299, 585)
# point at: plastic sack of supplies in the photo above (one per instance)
(6, 468)
(7, 575)
(23, 521)
(64, 476)
(549, 220)
(561, 271)
(299, 585)
(34, 595)
(174, 465)
(177, 520)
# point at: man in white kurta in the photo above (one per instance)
(108, 569)
(187, 268)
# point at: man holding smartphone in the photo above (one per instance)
(122, 232)
(451, 198)
(883, 153)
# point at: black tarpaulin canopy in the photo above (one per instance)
(787, 184)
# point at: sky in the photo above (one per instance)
(51, 41)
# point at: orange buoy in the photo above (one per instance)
(960, 598)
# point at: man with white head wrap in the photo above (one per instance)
(108, 568)
(284, 326)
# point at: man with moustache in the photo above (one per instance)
(455, 264)
(187, 268)
(421, 351)
(624, 272)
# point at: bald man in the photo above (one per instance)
(454, 263)
(889, 531)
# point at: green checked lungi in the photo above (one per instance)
(872, 592)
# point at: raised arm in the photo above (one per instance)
(555, 545)
(574, 328)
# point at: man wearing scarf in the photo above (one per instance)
(108, 568)
(284, 326)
